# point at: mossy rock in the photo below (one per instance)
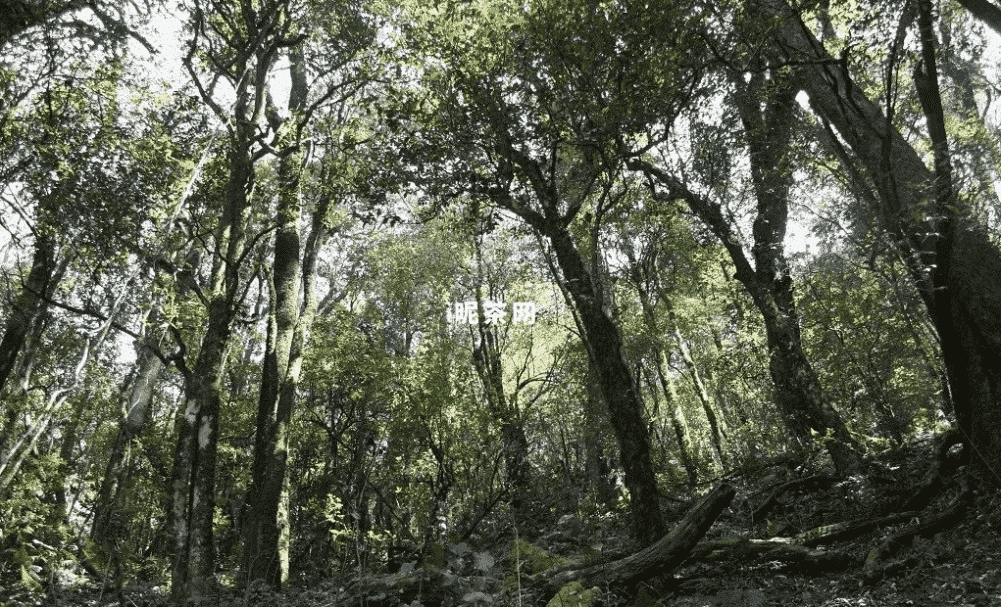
(574, 595)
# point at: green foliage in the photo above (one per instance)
(429, 126)
(871, 348)
(530, 559)
(35, 539)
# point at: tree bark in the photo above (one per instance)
(261, 558)
(601, 336)
(193, 477)
(768, 131)
(985, 11)
(950, 256)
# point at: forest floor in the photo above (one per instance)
(959, 566)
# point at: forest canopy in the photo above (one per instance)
(490, 302)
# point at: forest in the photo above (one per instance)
(589, 303)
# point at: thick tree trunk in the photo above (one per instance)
(985, 11)
(604, 345)
(950, 256)
(193, 476)
(262, 554)
(597, 468)
(767, 111)
(265, 530)
(261, 558)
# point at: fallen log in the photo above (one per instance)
(656, 560)
(782, 549)
(840, 532)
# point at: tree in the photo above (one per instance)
(946, 248)
(985, 11)
(294, 272)
(643, 259)
(241, 46)
(529, 118)
(23, 15)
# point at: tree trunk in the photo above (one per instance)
(679, 421)
(193, 476)
(717, 431)
(30, 304)
(262, 555)
(597, 469)
(261, 559)
(989, 13)
(138, 409)
(487, 360)
(265, 529)
(604, 345)
(797, 390)
(949, 254)
(677, 415)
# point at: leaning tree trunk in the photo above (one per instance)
(137, 412)
(677, 415)
(657, 560)
(797, 389)
(717, 426)
(949, 254)
(625, 407)
(767, 113)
